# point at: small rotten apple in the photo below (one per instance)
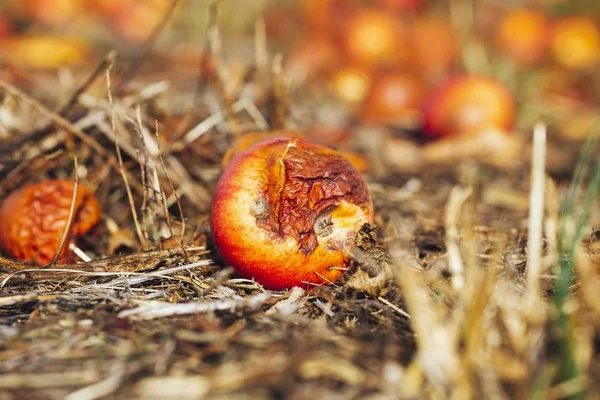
(467, 105)
(33, 219)
(285, 212)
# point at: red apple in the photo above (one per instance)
(524, 35)
(402, 5)
(53, 12)
(351, 84)
(373, 37)
(468, 104)
(315, 55)
(576, 42)
(286, 211)
(393, 96)
(435, 45)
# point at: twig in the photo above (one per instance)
(138, 227)
(103, 388)
(455, 263)
(65, 234)
(179, 207)
(65, 109)
(8, 88)
(536, 212)
(148, 46)
(158, 309)
(120, 264)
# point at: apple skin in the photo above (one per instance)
(285, 213)
(467, 105)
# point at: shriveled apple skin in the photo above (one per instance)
(285, 213)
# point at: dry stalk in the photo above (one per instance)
(148, 46)
(458, 196)
(536, 214)
(138, 227)
(65, 234)
(165, 205)
(62, 122)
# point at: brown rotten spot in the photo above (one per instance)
(286, 211)
(33, 220)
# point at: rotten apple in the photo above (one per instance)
(286, 211)
(33, 220)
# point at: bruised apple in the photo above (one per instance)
(285, 213)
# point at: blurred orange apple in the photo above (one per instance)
(351, 84)
(524, 35)
(323, 14)
(403, 5)
(393, 95)
(315, 55)
(576, 42)
(53, 12)
(373, 37)
(435, 45)
(136, 19)
(469, 104)
(44, 51)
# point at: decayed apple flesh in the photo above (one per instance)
(286, 211)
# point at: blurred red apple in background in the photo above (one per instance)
(576, 42)
(351, 84)
(44, 52)
(53, 12)
(373, 37)
(435, 45)
(324, 14)
(136, 19)
(468, 104)
(524, 35)
(403, 5)
(315, 55)
(393, 96)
